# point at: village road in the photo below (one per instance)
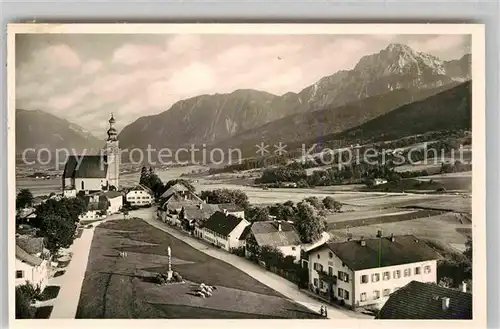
(274, 281)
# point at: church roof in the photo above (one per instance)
(87, 166)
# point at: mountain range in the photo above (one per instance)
(378, 84)
(38, 130)
(214, 118)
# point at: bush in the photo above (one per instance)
(240, 251)
(24, 310)
(32, 292)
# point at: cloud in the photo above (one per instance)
(61, 55)
(133, 54)
(91, 67)
(438, 44)
(63, 102)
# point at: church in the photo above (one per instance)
(92, 173)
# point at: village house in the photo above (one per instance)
(222, 230)
(277, 234)
(195, 215)
(427, 301)
(367, 272)
(139, 196)
(232, 209)
(102, 204)
(31, 269)
(178, 192)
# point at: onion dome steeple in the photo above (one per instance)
(112, 133)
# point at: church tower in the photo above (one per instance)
(113, 155)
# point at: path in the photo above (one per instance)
(66, 303)
(274, 281)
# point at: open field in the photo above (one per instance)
(440, 228)
(396, 216)
(116, 287)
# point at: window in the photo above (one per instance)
(343, 276)
(387, 292)
(407, 272)
(319, 256)
(376, 294)
(293, 248)
(340, 292)
(396, 274)
(330, 254)
(318, 267)
(364, 279)
(330, 270)
(363, 297)
(375, 277)
(386, 276)
(427, 269)
(417, 270)
(19, 274)
(346, 294)
(315, 282)
(320, 284)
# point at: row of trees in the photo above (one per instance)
(354, 173)
(237, 197)
(308, 215)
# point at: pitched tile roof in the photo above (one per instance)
(381, 252)
(90, 166)
(221, 223)
(266, 233)
(112, 194)
(193, 211)
(418, 300)
(245, 233)
(174, 189)
(25, 257)
(32, 245)
(173, 204)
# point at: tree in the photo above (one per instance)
(257, 214)
(446, 282)
(24, 199)
(75, 207)
(468, 254)
(237, 197)
(58, 231)
(309, 224)
(24, 310)
(332, 204)
(314, 201)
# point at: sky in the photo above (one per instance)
(85, 77)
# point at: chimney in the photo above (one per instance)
(445, 303)
(464, 287)
(392, 238)
(379, 233)
(200, 206)
(279, 226)
(225, 212)
(362, 242)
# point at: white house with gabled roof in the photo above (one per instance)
(367, 271)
